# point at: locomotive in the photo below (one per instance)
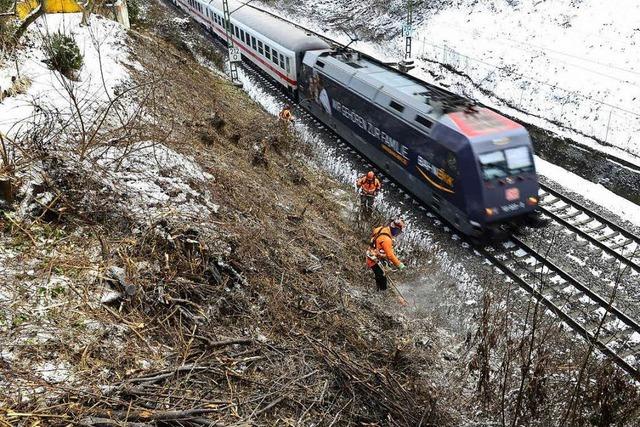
(468, 163)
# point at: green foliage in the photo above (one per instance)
(63, 54)
(134, 11)
(6, 5)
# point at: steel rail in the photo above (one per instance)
(585, 234)
(594, 296)
(573, 324)
(594, 241)
(626, 233)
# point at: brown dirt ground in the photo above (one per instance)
(250, 319)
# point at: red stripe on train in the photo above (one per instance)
(240, 44)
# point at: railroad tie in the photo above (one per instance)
(621, 244)
(632, 350)
(549, 202)
(607, 236)
(558, 208)
(584, 221)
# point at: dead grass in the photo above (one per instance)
(249, 316)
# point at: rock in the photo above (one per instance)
(117, 277)
(111, 296)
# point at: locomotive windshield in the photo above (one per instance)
(504, 163)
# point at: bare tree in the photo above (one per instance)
(87, 9)
(30, 19)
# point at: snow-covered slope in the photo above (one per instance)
(569, 66)
(574, 63)
(104, 54)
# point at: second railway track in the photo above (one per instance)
(592, 227)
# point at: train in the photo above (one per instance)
(470, 164)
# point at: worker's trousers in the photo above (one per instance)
(381, 278)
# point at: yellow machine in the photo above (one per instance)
(24, 8)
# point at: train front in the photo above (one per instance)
(500, 167)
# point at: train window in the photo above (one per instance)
(274, 56)
(242, 35)
(424, 122)
(519, 160)
(237, 32)
(493, 165)
(396, 106)
(253, 42)
(500, 164)
(260, 50)
(267, 52)
(288, 64)
(282, 61)
(320, 64)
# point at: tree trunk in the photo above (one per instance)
(87, 9)
(6, 189)
(35, 14)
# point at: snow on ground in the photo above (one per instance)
(572, 62)
(596, 193)
(151, 179)
(105, 56)
(154, 180)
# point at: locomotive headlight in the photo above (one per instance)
(532, 201)
(491, 211)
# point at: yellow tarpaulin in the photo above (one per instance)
(24, 8)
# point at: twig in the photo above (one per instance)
(270, 405)
(224, 343)
(21, 228)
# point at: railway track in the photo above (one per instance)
(604, 325)
(591, 227)
(593, 316)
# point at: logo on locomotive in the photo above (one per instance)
(439, 173)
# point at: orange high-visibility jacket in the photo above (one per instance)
(285, 115)
(368, 186)
(382, 248)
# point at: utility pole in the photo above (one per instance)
(407, 30)
(234, 53)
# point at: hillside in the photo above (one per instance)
(170, 254)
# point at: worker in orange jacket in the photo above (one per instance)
(369, 186)
(285, 115)
(381, 250)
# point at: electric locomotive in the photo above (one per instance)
(470, 164)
